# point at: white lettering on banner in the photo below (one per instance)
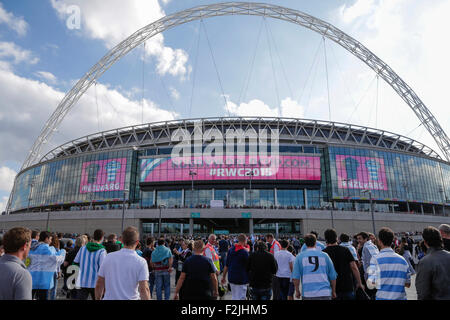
(235, 143)
(101, 187)
(240, 172)
(355, 184)
(71, 280)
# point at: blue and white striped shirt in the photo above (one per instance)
(351, 248)
(319, 245)
(390, 272)
(315, 270)
(90, 263)
(369, 251)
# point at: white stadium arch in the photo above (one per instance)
(241, 8)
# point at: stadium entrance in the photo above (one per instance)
(205, 226)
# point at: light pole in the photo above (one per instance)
(123, 206)
(251, 174)
(407, 196)
(159, 225)
(48, 220)
(332, 214)
(192, 174)
(348, 191)
(441, 190)
(371, 208)
(91, 197)
(31, 184)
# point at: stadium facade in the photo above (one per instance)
(328, 174)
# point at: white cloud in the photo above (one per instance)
(117, 20)
(291, 108)
(174, 93)
(358, 9)
(256, 107)
(3, 202)
(17, 24)
(4, 65)
(409, 35)
(46, 76)
(9, 50)
(7, 176)
(26, 105)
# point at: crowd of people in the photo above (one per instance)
(363, 266)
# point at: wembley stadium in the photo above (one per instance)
(329, 174)
(325, 172)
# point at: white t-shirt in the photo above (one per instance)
(283, 258)
(122, 271)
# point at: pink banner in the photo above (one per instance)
(356, 172)
(205, 169)
(103, 175)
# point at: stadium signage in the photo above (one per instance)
(236, 155)
(296, 168)
(103, 175)
(355, 172)
(214, 147)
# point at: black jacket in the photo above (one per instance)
(446, 244)
(111, 246)
(261, 268)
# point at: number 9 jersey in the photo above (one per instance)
(315, 270)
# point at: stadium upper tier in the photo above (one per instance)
(292, 131)
(320, 164)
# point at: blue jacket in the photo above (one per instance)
(237, 259)
(43, 262)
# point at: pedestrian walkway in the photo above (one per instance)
(411, 293)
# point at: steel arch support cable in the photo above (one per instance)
(281, 61)
(316, 67)
(362, 97)
(241, 8)
(96, 102)
(376, 105)
(326, 72)
(195, 70)
(299, 98)
(243, 93)
(143, 85)
(273, 70)
(215, 66)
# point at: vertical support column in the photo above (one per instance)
(434, 210)
(245, 202)
(407, 206)
(250, 226)
(140, 227)
(152, 229)
(182, 197)
(276, 230)
(191, 226)
(212, 196)
(275, 197)
(154, 197)
(181, 229)
(306, 198)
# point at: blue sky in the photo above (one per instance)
(41, 59)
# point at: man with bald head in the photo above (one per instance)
(210, 252)
(444, 229)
